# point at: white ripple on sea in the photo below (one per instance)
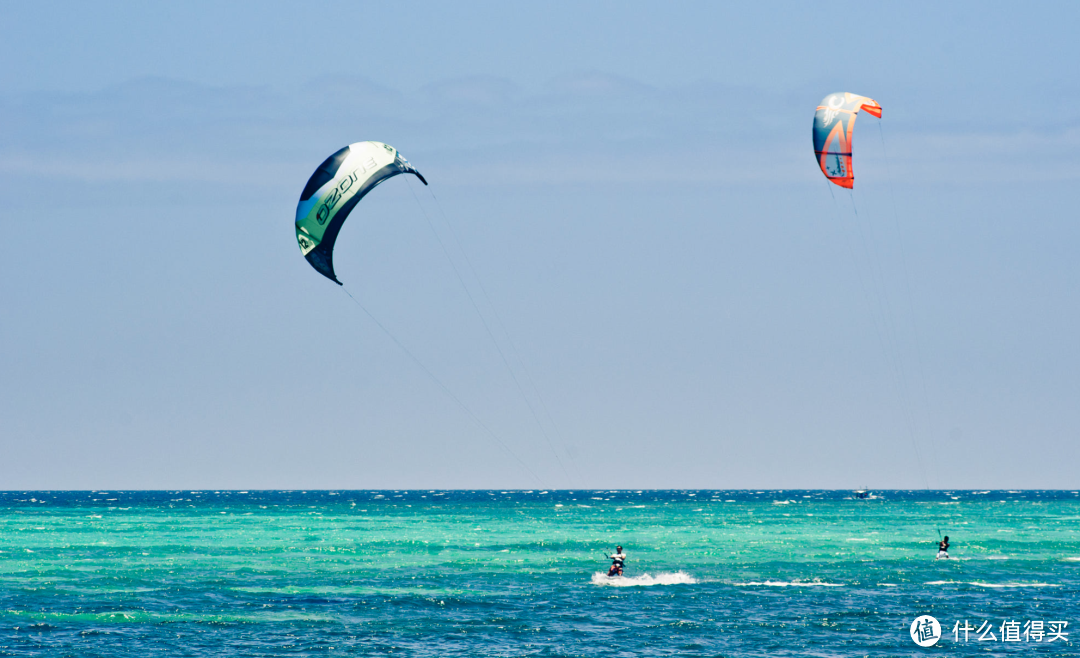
(993, 585)
(782, 583)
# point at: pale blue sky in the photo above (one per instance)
(635, 186)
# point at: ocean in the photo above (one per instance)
(522, 573)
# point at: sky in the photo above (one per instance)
(627, 271)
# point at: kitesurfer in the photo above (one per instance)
(943, 547)
(618, 560)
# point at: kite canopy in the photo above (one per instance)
(834, 122)
(334, 190)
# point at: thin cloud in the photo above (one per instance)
(592, 127)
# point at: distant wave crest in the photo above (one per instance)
(993, 585)
(784, 583)
(644, 580)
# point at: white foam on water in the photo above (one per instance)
(992, 585)
(784, 583)
(1009, 585)
(1072, 559)
(644, 580)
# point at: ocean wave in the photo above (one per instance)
(992, 585)
(422, 592)
(644, 580)
(784, 583)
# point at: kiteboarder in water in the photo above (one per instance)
(943, 547)
(618, 560)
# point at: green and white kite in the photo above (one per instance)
(334, 190)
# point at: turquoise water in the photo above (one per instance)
(489, 573)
